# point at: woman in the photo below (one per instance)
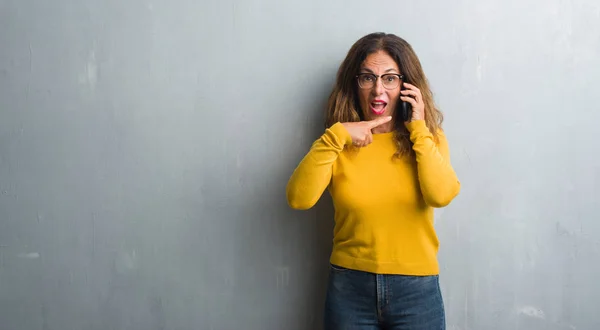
(385, 174)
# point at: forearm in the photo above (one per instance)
(438, 181)
(313, 174)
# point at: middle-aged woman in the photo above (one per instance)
(386, 173)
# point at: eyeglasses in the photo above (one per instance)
(389, 80)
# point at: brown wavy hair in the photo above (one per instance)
(343, 105)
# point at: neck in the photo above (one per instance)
(385, 128)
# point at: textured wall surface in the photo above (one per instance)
(145, 147)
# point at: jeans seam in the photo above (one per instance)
(380, 295)
(441, 303)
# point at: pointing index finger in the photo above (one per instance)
(379, 121)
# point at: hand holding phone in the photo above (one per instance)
(412, 105)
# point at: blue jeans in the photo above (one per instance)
(364, 301)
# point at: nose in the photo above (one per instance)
(378, 88)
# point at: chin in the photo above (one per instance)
(373, 114)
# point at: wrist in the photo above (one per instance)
(340, 131)
(416, 124)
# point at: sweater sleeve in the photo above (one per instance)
(438, 181)
(313, 174)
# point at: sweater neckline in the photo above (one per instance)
(382, 135)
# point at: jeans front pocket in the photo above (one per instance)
(337, 268)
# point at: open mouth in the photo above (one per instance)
(378, 107)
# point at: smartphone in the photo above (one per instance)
(405, 108)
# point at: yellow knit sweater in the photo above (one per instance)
(383, 205)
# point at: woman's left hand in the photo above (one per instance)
(412, 95)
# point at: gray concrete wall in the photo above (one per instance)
(145, 147)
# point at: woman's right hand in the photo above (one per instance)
(361, 131)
